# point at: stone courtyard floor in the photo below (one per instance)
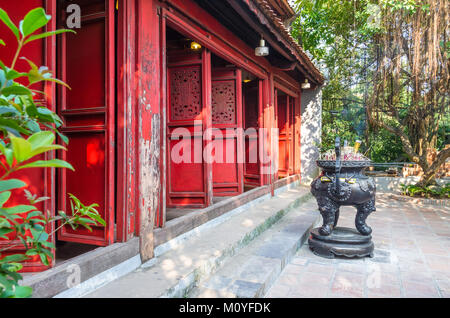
(411, 258)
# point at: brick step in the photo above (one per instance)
(177, 271)
(251, 272)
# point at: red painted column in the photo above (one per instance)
(126, 121)
(149, 120)
(207, 122)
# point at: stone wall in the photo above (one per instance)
(393, 184)
(311, 130)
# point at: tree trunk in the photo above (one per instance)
(430, 170)
(428, 177)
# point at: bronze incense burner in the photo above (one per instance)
(343, 183)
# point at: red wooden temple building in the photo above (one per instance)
(155, 86)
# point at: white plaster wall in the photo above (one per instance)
(311, 130)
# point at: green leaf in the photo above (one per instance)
(86, 220)
(23, 291)
(34, 20)
(48, 244)
(47, 34)
(33, 214)
(9, 156)
(5, 231)
(33, 126)
(44, 259)
(11, 267)
(41, 74)
(2, 42)
(21, 148)
(6, 20)
(63, 138)
(14, 258)
(41, 139)
(31, 252)
(38, 226)
(97, 218)
(8, 110)
(4, 197)
(45, 149)
(10, 184)
(18, 209)
(31, 63)
(54, 163)
(16, 90)
(13, 74)
(12, 127)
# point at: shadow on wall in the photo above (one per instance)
(311, 131)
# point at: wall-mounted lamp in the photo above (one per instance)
(195, 46)
(306, 84)
(262, 49)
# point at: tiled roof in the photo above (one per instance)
(296, 49)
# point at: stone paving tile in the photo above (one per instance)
(411, 258)
(348, 284)
(415, 289)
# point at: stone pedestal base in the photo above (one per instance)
(342, 241)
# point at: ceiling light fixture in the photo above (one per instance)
(195, 46)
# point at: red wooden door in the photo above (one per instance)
(291, 135)
(86, 63)
(39, 180)
(186, 169)
(251, 111)
(226, 110)
(283, 141)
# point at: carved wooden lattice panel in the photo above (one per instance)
(185, 92)
(223, 102)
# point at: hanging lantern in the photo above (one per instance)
(262, 49)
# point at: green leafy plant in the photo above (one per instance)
(20, 113)
(431, 191)
(27, 132)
